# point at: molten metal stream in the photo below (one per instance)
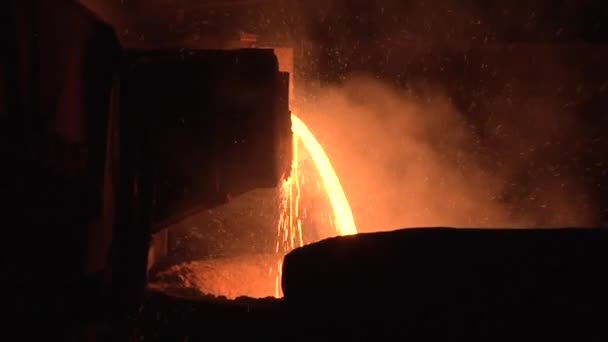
(289, 235)
(342, 213)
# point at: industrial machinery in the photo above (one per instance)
(203, 126)
(103, 148)
(107, 146)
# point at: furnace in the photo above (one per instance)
(167, 180)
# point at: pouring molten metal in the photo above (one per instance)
(290, 224)
(254, 275)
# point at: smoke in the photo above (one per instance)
(433, 115)
(452, 114)
(411, 159)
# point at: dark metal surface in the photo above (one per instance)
(219, 124)
(460, 282)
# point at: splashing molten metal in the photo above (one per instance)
(290, 225)
(258, 275)
(342, 213)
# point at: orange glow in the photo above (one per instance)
(259, 276)
(289, 234)
(342, 213)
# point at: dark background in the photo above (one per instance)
(471, 20)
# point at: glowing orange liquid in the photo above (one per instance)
(290, 225)
(342, 213)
